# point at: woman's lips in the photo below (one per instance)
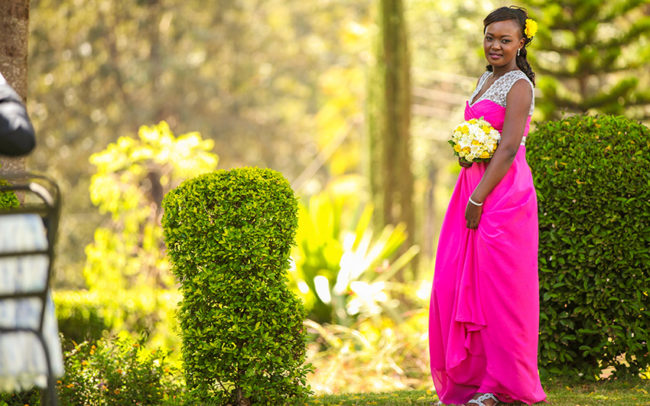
(495, 56)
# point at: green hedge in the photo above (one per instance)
(82, 315)
(591, 176)
(87, 315)
(228, 236)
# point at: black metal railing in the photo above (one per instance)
(37, 195)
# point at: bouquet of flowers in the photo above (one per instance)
(474, 140)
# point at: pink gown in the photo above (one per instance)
(484, 309)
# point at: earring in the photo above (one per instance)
(519, 50)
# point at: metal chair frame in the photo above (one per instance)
(49, 207)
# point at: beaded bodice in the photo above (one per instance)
(498, 91)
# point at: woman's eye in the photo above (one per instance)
(505, 41)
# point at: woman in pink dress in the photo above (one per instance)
(484, 311)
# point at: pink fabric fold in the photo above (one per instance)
(484, 310)
(491, 112)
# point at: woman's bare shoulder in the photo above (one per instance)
(520, 95)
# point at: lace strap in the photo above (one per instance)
(512, 77)
(509, 80)
(499, 90)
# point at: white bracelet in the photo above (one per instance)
(474, 203)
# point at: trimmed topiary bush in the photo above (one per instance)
(228, 236)
(591, 176)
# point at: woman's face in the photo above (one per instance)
(501, 42)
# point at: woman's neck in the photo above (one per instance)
(499, 71)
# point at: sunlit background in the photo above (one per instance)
(284, 84)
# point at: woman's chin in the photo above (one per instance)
(497, 62)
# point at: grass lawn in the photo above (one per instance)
(631, 392)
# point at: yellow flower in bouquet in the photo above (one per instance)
(475, 140)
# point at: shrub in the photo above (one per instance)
(116, 371)
(27, 397)
(8, 199)
(113, 371)
(228, 236)
(591, 176)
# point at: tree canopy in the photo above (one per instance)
(592, 56)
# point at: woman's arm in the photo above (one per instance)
(517, 107)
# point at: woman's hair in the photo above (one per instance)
(519, 15)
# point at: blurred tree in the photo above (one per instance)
(447, 58)
(14, 30)
(389, 114)
(245, 74)
(592, 56)
(274, 83)
(341, 97)
(133, 175)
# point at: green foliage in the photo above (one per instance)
(27, 397)
(132, 177)
(8, 199)
(88, 315)
(81, 317)
(591, 176)
(229, 235)
(100, 68)
(361, 319)
(342, 268)
(128, 253)
(116, 371)
(592, 56)
(111, 371)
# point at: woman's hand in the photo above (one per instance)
(464, 163)
(473, 215)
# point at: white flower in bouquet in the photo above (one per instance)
(475, 140)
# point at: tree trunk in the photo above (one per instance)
(14, 30)
(389, 113)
